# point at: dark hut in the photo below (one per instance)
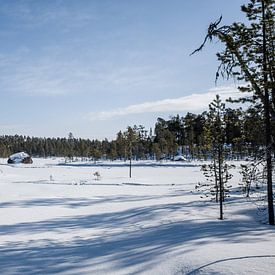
(21, 157)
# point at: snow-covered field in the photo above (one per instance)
(61, 219)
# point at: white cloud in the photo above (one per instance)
(54, 75)
(192, 103)
(32, 14)
(33, 79)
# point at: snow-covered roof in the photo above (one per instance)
(18, 156)
(178, 158)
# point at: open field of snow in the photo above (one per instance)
(61, 219)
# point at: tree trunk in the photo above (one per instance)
(268, 131)
(220, 182)
(216, 180)
(130, 167)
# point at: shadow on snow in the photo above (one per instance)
(131, 246)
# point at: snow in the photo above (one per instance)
(61, 219)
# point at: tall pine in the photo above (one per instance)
(249, 56)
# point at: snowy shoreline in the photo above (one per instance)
(134, 164)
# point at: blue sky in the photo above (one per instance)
(93, 67)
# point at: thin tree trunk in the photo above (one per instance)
(216, 180)
(130, 167)
(130, 171)
(267, 128)
(220, 182)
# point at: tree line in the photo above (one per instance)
(187, 135)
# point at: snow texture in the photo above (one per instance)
(60, 219)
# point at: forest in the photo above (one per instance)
(187, 135)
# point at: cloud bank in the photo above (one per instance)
(196, 102)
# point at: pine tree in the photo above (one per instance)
(249, 56)
(216, 173)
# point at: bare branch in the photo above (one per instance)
(211, 29)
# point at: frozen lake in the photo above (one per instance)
(62, 219)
